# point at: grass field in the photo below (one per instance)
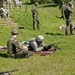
(60, 63)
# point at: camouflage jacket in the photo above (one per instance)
(13, 45)
(67, 12)
(33, 45)
(34, 11)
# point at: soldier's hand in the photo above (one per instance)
(25, 47)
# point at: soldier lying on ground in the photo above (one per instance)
(15, 49)
(37, 44)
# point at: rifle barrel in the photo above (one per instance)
(7, 72)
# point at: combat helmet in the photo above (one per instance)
(39, 38)
(14, 32)
(36, 4)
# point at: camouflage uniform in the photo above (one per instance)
(37, 44)
(15, 49)
(62, 7)
(4, 12)
(17, 3)
(67, 13)
(9, 4)
(34, 11)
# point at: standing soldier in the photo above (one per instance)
(20, 4)
(67, 13)
(62, 7)
(17, 3)
(34, 11)
(9, 4)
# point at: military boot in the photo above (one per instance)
(71, 29)
(34, 26)
(38, 25)
(66, 32)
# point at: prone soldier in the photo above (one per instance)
(37, 44)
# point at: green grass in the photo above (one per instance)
(60, 63)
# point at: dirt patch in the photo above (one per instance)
(8, 23)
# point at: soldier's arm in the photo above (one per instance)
(33, 9)
(35, 47)
(17, 44)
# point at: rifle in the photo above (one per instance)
(7, 72)
(49, 52)
(55, 46)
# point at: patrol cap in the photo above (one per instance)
(36, 3)
(14, 32)
(39, 38)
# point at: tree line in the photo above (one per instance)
(49, 1)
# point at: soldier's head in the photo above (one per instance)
(70, 4)
(39, 38)
(3, 5)
(14, 32)
(63, 2)
(36, 4)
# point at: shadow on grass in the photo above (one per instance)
(27, 3)
(44, 5)
(4, 55)
(58, 17)
(59, 34)
(49, 5)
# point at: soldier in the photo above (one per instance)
(17, 3)
(9, 4)
(34, 11)
(4, 12)
(15, 49)
(37, 44)
(20, 4)
(67, 13)
(62, 7)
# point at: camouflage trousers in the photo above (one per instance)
(22, 54)
(68, 27)
(8, 5)
(35, 20)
